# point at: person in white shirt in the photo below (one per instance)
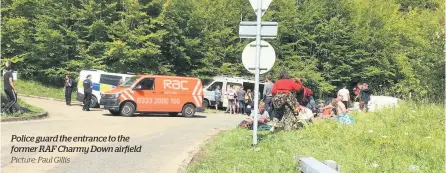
(262, 117)
(345, 94)
(231, 94)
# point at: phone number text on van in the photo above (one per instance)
(158, 101)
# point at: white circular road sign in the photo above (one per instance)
(267, 57)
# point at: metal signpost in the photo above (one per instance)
(268, 30)
(259, 29)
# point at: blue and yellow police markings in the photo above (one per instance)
(101, 88)
(105, 87)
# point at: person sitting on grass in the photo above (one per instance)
(335, 105)
(304, 113)
(305, 116)
(262, 117)
(320, 110)
(340, 106)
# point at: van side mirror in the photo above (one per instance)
(137, 87)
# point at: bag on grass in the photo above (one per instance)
(243, 124)
(263, 127)
(345, 119)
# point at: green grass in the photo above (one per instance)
(391, 140)
(37, 89)
(33, 110)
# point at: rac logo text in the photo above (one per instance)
(175, 84)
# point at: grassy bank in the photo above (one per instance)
(33, 110)
(37, 89)
(407, 139)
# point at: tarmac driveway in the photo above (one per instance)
(164, 139)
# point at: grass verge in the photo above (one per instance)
(409, 138)
(36, 89)
(33, 110)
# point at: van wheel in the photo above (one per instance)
(172, 114)
(128, 109)
(94, 102)
(114, 112)
(188, 110)
(205, 105)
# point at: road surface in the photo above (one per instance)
(164, 140)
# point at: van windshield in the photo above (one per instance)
(206, 82)
(129, 81)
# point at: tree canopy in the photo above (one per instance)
(394, 45)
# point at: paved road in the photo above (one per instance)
(164, 139)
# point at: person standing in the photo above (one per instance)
(345, 94)
(249, 102)
(217, 93)
(119, 83)
(68, 85)
(236, 100)
(284, 100)
(267, 94)
(88, 93)
(357, 90)
(365, 97)
(231, 99)
(10, 90)
(241, 99)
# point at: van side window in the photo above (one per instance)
(235, 86)
(147, 84)
(214, 85)
(109, 79)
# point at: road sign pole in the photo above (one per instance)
(257, 73)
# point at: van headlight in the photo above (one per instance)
(111, 96)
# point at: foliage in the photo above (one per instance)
(406, 139)
(37, 89)
(33, 110)
(393, 45)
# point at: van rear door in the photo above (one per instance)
(176, 92)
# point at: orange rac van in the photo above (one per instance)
(155, 93)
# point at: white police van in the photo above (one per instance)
(102, 81)
(225, 82)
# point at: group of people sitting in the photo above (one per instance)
(304, 116)
(288, 110)
(293, 106)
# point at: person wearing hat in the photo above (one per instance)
(88, 93)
